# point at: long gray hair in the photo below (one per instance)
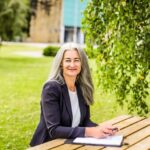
(84, 77)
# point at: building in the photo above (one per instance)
(57, 21)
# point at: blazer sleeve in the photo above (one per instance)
(50, 108)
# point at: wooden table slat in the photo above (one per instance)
(133, 139)
(129, 122)
(142, 145)
(67, 147)
(89, 147)
(48, 145)
(117, 119)
(135, 127)
(137, 136)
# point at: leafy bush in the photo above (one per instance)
(50, 50)
(120, 31)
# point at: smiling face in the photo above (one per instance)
(71, 63)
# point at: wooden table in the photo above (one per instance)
(136, 132)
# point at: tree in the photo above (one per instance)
(13, 18)
(118, 35)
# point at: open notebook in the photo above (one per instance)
(115, 140)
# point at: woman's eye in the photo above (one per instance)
(67, 60)
(77, 60)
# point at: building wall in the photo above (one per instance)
(73, 12)
(45, 26)
(72, 17)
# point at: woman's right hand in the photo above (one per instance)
(100, 131)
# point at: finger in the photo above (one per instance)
(104, 135)
(108, 131)
(115, 129)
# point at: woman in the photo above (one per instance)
(66, 97)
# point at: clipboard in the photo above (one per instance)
(115, 140)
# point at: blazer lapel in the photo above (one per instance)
(67, 100)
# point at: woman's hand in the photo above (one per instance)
(100, 131)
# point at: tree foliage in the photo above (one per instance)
(118, 35)
(13, 18)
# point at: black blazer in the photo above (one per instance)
(56, 114)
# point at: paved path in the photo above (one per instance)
(31, 44)
(31, 53)
(34, 54)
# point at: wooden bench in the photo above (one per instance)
(136, 132)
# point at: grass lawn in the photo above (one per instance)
(21, 81)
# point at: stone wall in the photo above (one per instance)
(45, 26)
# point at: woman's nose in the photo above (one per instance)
(72, 63)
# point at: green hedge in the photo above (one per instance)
(50, 50)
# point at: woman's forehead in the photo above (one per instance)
(71, 54)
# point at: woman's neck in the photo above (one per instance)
(70, 82)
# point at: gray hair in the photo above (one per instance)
(84, 78)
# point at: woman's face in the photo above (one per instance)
(71, 63)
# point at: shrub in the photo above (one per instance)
(50, 50)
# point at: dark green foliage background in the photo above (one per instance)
(14, 19)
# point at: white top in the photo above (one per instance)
(75, 108)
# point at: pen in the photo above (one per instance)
(115, 129)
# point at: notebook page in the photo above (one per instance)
(110, 140)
